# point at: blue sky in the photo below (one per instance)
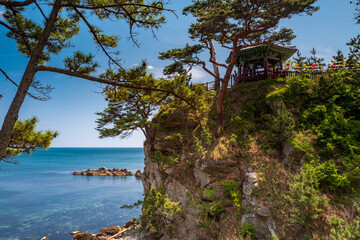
(74, 101)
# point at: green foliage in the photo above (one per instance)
(81, 63)
(202, 140)
(342, 230)
(305, 196)
(247, 230)
(130, 109)
(339, 57)
(314, 59)
(299, 59)
(164, 160)
(209, 212)
(25, 139)
(63, 31)
(156, 208)
(233, 194)
(217, 19)
(181, 57)
(281, 125)
(330, 115)
(209, 193)
(215, 209)
(136, 204)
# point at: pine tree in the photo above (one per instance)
(234, 24)
(62, 20)
(25, 138)
(339, 57)
(313, 59)
(300, 60)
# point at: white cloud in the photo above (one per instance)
(197, 74)
(150, 67)
(1, 14)
(321, 51)
(326, 53)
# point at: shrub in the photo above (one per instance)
(305, 197)
(157, 207)
(281, 125)
(169, 159)
(233, 193)
(343, 230)
(247, 230)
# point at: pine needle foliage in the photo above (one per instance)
(26, 139)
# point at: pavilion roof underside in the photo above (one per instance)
(272, 51)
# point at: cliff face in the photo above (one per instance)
(286, 167)
(199, 184)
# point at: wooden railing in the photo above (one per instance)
(237, 79)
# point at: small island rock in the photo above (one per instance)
(103, 171)
(138, 174)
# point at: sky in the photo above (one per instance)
(71, 111)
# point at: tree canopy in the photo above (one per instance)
(234, 25)
(25, 138)
(60, 22)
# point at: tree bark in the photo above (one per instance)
(216, 67)
(222, 93)
(27, 79)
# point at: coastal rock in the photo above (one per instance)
(111, 230)
(85, 236)
(130, 231)
(103, 171)
(138, 174)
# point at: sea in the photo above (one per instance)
(40, 197)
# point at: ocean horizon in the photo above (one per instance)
(40, 197)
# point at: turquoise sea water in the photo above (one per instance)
(39, 197)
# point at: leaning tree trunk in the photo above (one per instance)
(26, 81)
(216, 67)
(221, 95)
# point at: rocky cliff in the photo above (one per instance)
(254, 182)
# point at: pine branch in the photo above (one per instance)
(9, 3)
(92, 30)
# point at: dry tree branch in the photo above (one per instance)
(17, 85)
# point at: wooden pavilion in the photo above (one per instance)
(262, 61)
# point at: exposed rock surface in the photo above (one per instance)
(138, 174)
(202, 178)
(103, 171)
(292, 157)
(127, 232)
(257, 215)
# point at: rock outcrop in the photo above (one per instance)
(257, 214)
(127, 232)
(103, 171)
(197, 184)
(138, 174)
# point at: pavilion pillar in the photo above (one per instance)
(266, 64)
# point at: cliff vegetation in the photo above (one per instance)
(286, 166)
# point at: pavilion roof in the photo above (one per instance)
(286, 51)
(250, 51)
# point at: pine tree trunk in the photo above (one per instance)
(26, 81)
(221, 96)
(216, 67)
